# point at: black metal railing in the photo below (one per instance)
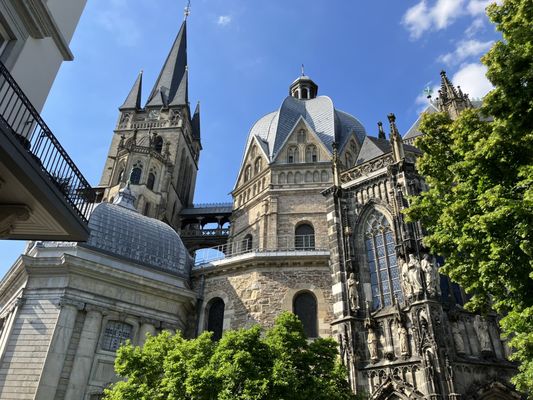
(18, 116)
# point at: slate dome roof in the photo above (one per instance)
(329, 123)
(118, 229)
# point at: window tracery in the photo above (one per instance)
(292, 155)
(381, 259)
(311, 153)
(136, 172)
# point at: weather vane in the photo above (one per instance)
(187, 9)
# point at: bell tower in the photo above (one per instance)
(156, 148)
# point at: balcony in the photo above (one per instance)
(43, 195)
(271, 246)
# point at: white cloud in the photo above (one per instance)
(224, 20)
(472, 79)
(464, 50)
(477, 25)
(116, 19)
(440, 14)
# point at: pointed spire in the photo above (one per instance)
(196, 122)
(395, 139)
(451, 100)
(172, 75)
(381, 132)
(133, 101)
(182, 94)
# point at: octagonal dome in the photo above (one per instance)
(331, 125)
(121, 231)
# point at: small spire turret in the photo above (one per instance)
(381, 132)
(451, 100)
(133, 100)
(396, 140)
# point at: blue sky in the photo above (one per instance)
(370, 57)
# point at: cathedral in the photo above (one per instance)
(315, 228)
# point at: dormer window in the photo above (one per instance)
(311, 153)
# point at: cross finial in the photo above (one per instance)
(303, 73)
(187, 10)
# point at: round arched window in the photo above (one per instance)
(215, 317)
(305, 307)
(304, 237)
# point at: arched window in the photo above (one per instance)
(150, 182)
(304, 237)
(258, 165)
(311, 154)
(305, 307)
(116, 333)
(292, 155)
(253, 151)
(353, 146)
(301, 136)
(158, 144)
(304, 93)
(136, 172)
(147, 207)
(247, 173)
(381, 258)
(349, 160)
(120, 175)
(215, 317)
(247, 243)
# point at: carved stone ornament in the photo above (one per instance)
(482, 331)
(431, 275)
(415, 277)
(458, 338)
(352, 292)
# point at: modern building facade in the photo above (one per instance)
(315, 228)
(42, 192)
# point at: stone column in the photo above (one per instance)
(83, 360)
(53, 365)
(146, 327)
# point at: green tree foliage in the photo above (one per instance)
(244, 364)
(479, 209)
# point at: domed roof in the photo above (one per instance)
(331, 125)
(118, 229)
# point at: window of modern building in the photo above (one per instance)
(150, 182)
(215, 317)
(304, 237)
(116, 333)
(304, 305)
(381, 258)
(136, 172)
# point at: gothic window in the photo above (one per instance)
(353, 146)
(301, 136)
(136, 172)
(158, 144)
(215, 317)
(120, 175)
(311, 154)
(147, 207)
(247, 173)
(247, 243)
(381, 258)
(349, 160)
(258, 165)
(254, 150)
(305, 307)
(292, 155)
(115, 334)
(304, 237)
(150, 181)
